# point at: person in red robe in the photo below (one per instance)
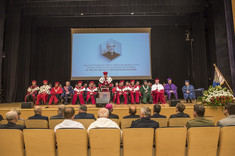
(32, 92)
(121, 93)
(114, 92)
(78, 94)
(91, 93)
(158, 92)
(55, 93)
(43, 93)
(134, 91)
(105, 82)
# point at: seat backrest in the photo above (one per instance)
(162, 121)
(54, 122)
(86, 122)
(138, 141)
(203, 141)
(126, 123)
(170, 141)
(71, 142)
(227, 141)
(178, 122)
(36, 123)
(117, 121)
(11, 142)
(105, 142)
(39, 142)
(19, 122)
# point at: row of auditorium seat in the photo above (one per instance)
(201, 141)
(125, 123)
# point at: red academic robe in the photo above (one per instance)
(91, 93)
(114, 91)
(55, 91)
(32, 90)
(121, 91)
(78, 93)
(43, 93)
(134, 93)
(158, 94)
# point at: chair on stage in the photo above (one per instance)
(72, 142)
(126, 123)
(227, 141)
(35, 123)
(117, 121)
(170, 141)
(54, 122)
(11, 142)
(19, 122)
(138, 141)
(105, 142)
(162, 121)
(39, 142)
(178, 122)
(203, 138)
(86, 122)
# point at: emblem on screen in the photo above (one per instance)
(111, 49)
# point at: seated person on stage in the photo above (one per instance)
(200, 120)
(122, 93)
(43, 93)
(145, 121)
(78, 94)
(229, 112)
(114, 92)
(103, 121)
(60, 114)
(68, 122)
(55, 94)
(188, 91)
(105, 82)
(145, 90)
(158, 92)
(32, 92)
(91, 93)
(85, 89)
(170, 88)
(83, 113)
(67, 92)
(18, 111)
(38, 114)
(134, 92)
(150, 84)
(132, 112)
(156, 112)
(12, 118)
(110, 108)
(180, 112)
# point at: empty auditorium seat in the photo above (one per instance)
(54, 122)
(36, 123)
(39, 142)
(20, 122)
(105, 142)
(227, 141)
(203, 141)
(117, 121)
(170, 141)
(86, 122)
(162, 121)
(71, 142)
(11, 142)
(178, 122)
(138, 141)
(126, 123)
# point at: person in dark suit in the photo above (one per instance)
(132, 112)
(83, 113)
(156, 111)
(110, 108)
(60, 114)
(12, 118)
(145, 121)
(38, 114)
(111, 54)
(180, 112)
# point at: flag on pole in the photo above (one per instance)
(218, 78)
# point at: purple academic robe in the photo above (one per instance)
(168, 87)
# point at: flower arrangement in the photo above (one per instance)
(217, 96)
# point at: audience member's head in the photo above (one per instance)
(132, 110)
(69, 113)
(156, 109)
(229, 109)
(38, 110)
(61, 108)
(109, 106)
(180, 107)
(103, 113)
(12, 116)
(83, 109)
(18, 111)
(199, 110)
(145, 112)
